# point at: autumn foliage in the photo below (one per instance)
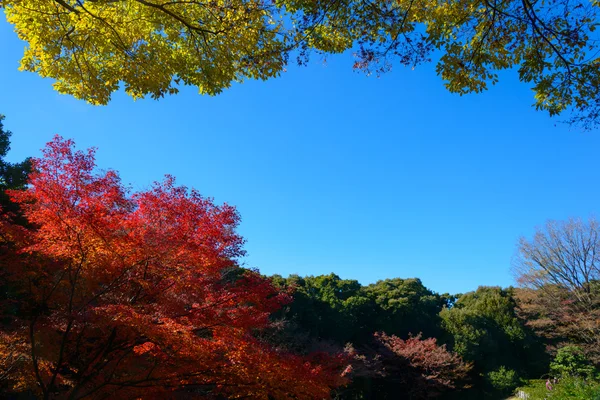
(137, 294)
(559, 271)
(414, 368)
(437, 368)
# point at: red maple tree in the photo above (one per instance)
(132, 294)
(437, 368)
(414, 368)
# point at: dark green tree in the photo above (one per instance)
(342, 310)
(330, 308)
(12, 175)
(330, 311)
(483, 327)
(406, 306)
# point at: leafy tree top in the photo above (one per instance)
(92, 47)
(139, 294)
(485, 328)
(570, 361)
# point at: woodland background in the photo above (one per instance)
(107, 292)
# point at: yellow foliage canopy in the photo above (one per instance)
(151, 46)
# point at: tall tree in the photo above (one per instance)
(406, 307)
(139, 295)
(559, 269)
(485, 329)
(329, 308)
(91, 46)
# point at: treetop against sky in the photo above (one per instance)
(149, 47)
(332, 170)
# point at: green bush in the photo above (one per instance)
(571, 361)
(503, 379)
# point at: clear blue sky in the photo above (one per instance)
(333, 171)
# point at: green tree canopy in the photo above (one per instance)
(343, 310)
(407, 307)
(485, 329)
(330, 308)
(571, 361)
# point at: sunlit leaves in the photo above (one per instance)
(140, 294)
(152, 46)
(149, 45)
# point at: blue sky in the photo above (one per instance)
(334, 171)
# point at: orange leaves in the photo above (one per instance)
(141, 294)
(144, 348)
(74, 209)
(13, 360)
(199, 233)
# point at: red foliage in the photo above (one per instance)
(439, 367)
(414, 368)
(140, 294)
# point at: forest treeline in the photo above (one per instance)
(107, 293)
(495, 347)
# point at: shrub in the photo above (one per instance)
(503, 379)
(570, 361)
